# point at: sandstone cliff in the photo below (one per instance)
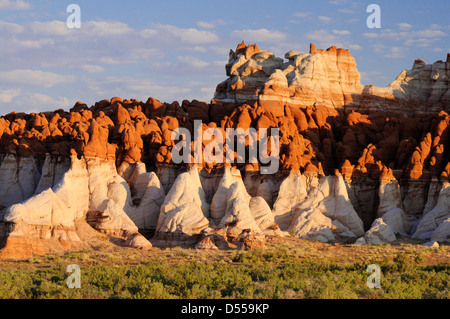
(351, 168)
(330, 78)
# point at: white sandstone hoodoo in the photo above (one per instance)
(183, 213)
(326, 214)
(69, 179)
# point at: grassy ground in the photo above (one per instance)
(288, 268)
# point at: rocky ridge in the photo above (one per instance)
(351, 169)
(329, 78)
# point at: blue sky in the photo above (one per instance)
(175, 50)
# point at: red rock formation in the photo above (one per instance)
(327, 121)
(329, 77)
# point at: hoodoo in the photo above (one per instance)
(357, 164)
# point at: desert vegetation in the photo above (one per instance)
(287, 269)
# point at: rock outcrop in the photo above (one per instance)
(90, 191)
(326, 213)
(219, 201)
(328, 77)
(434, 225)
(355, 163)
(184, 212)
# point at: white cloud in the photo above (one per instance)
(301, 14)
(341, 32)
(205, 25)
(105, 28)
(402, 35)
(88, 28)
(28, 102)
(137, 86)
(42, 60)
(436, 26)
(346, 11)
(393, 52)
(372, 76)
(370, 35)
(39, 100)
(339, 38)
(171, 33)
(208, 90)
(404, 26)
(325, 19)
(429, 33)
(192, 61)
(14, 5)
(10, 28)
(354, 47)
(338, 1)
(90, 68)
(6, 96)
(111, 60)
(199, 49)
(420, 42)
(189, 66)
(212, 24)
(49, 28)
(259, 35)
(31, 44)
(324, 38)
(420, 38)
(149, 33)
(34, 78)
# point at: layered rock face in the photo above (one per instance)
(90, 191)
(325, 77)
(350, 168)
(328, 77)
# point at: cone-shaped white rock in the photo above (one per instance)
(326, 212)
(138, 241)
(309, 220)
(391, 218)
(266, 191)
(115, 220)
(100, 173)
(389, 195)
(198, 188)
(385, 228)
(441, 212)
(219, 200)
(181, 213)
(344, 211)
(442, 232)
(147, 193)
(292, 191)
(237, 214)
(263, 216)
(379, 233)
(146, 215)
(59, 206)
(90, 185)
(68, 200)
(110, 195)
(313, 225)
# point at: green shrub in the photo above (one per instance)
(267, 274)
